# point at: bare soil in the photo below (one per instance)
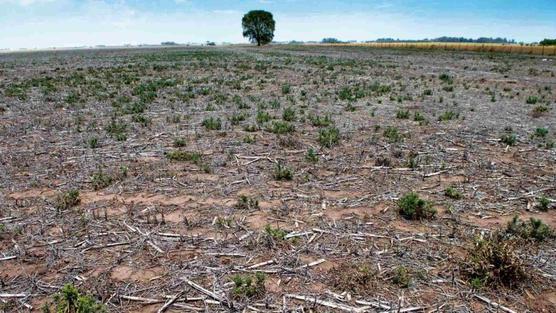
(105, 123)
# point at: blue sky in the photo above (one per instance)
(65, 23)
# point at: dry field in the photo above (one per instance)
(478, 47)
(280, 179)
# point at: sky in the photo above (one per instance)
(72, 23)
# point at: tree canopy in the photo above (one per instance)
(548, 42)
(258, 26)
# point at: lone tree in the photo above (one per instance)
(258, 26)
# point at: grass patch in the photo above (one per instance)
(178, 155)
(448, 116)
(543, 204)
(453, 193)
(446, 78)
(540, 132)
(329, 137)
(355, 278)
(247, 203)
(282, 172)
(288, 114)
(392, 134)
(414, 208)
(311, 156)
(280, 127)
(494, 261)
(402, 277)
(263, 117)
(212, 123)
(180, 142)
(321, 121)
(508, 139)
(67, 200)
(402, 114)
(533, 229)
(101, 180)
(117, 129)
(275, 233)
(70, 300)
(532, 100)
(248, 286)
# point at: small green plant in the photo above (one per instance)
(319, 121)
(533, 229)
(186, 156)
(237, 118)
(263, 117)
(351, 94)
(67, 200)
(453, 193)
(532, 100)
(493, 261)
(101, 180)
(275, 233)
(135, 108)
(178, 155)
(508, 139)
(180, 142)
(419, 117)
(448, 115)
(224, 222)
(413, 160)
(141, 120)
(117, 129)
(70, 300)
(540, 110)
(282, 172)
(402, 114)
(329, 137)
(247, 286)
(72, 98)
(477, 283)
(249, 139)
(392, 134)
(355, 278)
(93, 142)
(286, 89)
(212, 123)
(445, 78)
(311, 156)
(540, 132)
(280, 127)
(414, 208)
(275, 104)
(402, 277)
(247, 203)
(288, 114)
(543, 204)
(251, 128)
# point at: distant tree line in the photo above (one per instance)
(453, 39)
(331, 40)
(548, 42)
